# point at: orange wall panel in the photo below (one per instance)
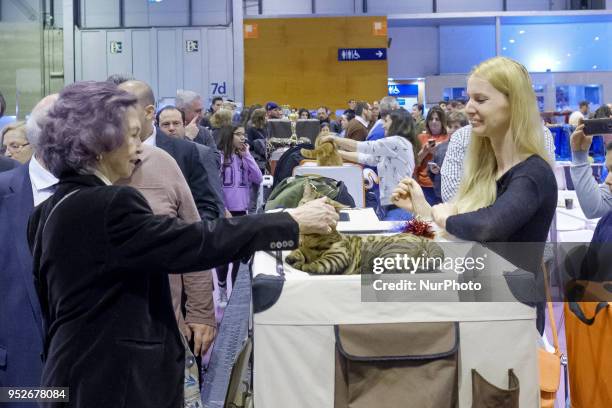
(295, 61)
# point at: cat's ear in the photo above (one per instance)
(309, 193)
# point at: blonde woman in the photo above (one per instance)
(14, 143)
(508, 192)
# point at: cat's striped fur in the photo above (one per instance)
(335, 253)
(347, 253)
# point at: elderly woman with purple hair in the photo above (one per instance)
(101, 257)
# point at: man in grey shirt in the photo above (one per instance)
(452, 167)
(594, 200)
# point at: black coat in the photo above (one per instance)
(7, 164)
(188, 159)
(212, 163)
(21, 335)
(101, 270)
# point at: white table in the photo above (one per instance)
(572, 224)
(294, 341)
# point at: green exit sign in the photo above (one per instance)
(116, 47)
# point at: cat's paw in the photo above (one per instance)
(312, 267)
(295, 257)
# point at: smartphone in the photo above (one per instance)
(433, 167)
(431, 143)
(597, 126)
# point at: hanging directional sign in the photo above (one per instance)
(403, 89)
(362, 54)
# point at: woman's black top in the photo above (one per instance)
(522, 212)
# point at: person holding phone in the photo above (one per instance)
(435, 133)
(454, 121)
(239, 171)
(595, 201)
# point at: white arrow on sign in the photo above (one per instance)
(379, 53)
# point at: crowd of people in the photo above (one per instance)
(113, 213)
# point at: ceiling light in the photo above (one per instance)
(511, 41)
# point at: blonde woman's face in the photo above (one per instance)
(16, 146)
(488, 109)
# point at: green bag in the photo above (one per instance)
(288, 193)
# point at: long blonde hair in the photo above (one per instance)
(478, 187)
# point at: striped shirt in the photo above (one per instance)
(452, 167)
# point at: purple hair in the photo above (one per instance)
(86, 120)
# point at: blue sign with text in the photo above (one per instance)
(362, 54)
(403, 89)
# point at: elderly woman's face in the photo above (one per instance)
(16, 146)
(488, 109)
(120, 163)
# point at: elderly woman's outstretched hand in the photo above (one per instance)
(409, 196)
(315, 217)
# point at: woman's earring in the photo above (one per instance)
(99, 157)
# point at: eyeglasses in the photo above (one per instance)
(239, 134)
(12, 147)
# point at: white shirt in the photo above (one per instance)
(362, 121)
(575, 117)
(394, 160)
(152, 139)
(102, 177)
(42, 181)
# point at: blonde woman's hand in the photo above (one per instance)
(579, 141)
(315, 217)
(409, 195)
(441, 212)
